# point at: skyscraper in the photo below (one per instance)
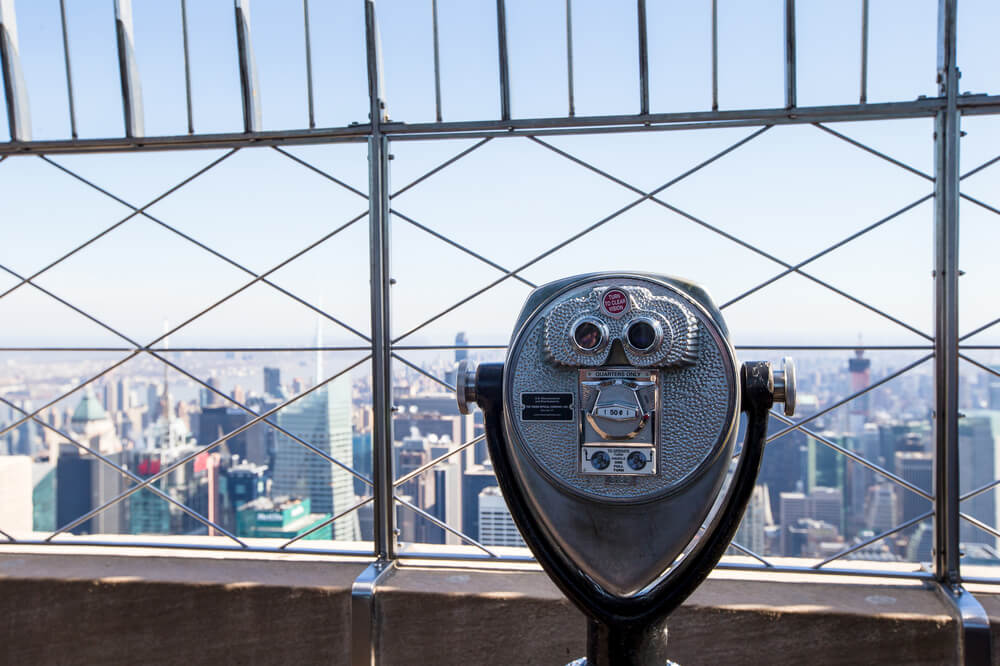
(272, 382)
(861, 377)
(496, 527)
(322, 418)
(461, 340)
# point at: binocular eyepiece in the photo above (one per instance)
(612, 427)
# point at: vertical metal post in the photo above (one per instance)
(715, 55)
(15, 92)
(946, 192)
(437, 61)
(569, 57)
(790, 74)
(129, 71)
(378, 220)
(643, 59)
(252, 116)
(187, 66)
(309, 65)
(504, 63)
(69, 71)
(864, 51)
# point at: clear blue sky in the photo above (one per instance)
(791, 192)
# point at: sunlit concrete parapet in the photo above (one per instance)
(201, 607)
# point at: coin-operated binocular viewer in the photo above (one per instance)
(612, 427)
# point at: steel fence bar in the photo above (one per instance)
(129, 475)
(864, 52)
(504, 65)
(295, 438)
(829, 249)
(715, 55)
(249, 87)
(877, 537)
(790, 55)
(873, 151)
(458, 246)
(187, 66)
(980, 347)
(985, 165)
(128, 70)
(194, 241)
(167, 545)
(260, 278)
(947, 565)
(569, 58)
(9, 538)
(977, 331)
(120, 222)
(981, 204)
(194, 349)
(69, 71)
(423, 372)
(777, 347)
(448, 347)
(448, 162)
(871, 387)
(445, 526)
(72, 307)
(437, 60)
(428, 465)
(978, 523)
(980, 490)
(856, 458)
(328, 521)
(747, 551)
(979, 365)
(64, 349)
(180, 462)
(309, 67)
(379, 248)
(588, 230)
(969, 105)
(321, 172)
(5, 429)
(643, 37)
(735, 239)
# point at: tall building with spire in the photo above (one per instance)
(859, 369)
(322, 418)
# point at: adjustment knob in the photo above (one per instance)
(465, 387)
(784, 385)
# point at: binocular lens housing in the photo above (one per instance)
(644, 334)
(589, 334)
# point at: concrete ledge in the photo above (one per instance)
(184, 608)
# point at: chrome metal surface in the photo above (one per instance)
(379, 249)
(365, 615)
(129, 70)
(249, 87)
(975, 638)
(69, 70)
(504, 60)
(15, 91)
(784, 385)
(946, 336)
(465, 387)
(791, 74)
